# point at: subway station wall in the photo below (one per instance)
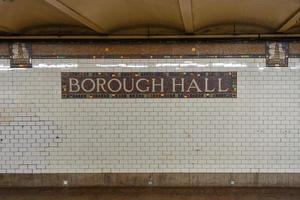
(257, 132)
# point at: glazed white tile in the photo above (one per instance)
(256, 132)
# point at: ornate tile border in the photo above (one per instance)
(92, 85)
(151, 180)
(4, 50)
(20, 55)
(277, 54)
(148, 50)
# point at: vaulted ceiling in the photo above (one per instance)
(148, 17)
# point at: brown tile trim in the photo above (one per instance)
(20, 55)
(148, 50)
(152, 180)
(150, 193)
(294, 49)
(144, 49)
(4, 50)
(227, 79)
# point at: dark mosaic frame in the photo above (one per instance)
(294, 49)
(20, 55)
(4, 50)
(143, 49)
(154, 49)
(229, 77)
(4, 57)
(277, 54)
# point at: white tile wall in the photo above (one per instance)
(256, 132)
(4, 64)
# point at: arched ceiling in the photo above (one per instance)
(148, 17)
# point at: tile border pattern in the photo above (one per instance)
(153, 49)
(82, 85)
(151, 180)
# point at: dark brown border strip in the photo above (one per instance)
(152, 180)
(4, 50)
(294, 49)
(148, 50)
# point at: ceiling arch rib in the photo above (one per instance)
(292, 21)
(146, 29)
(187, 15)
(234, 28)
(75, 15)
(293, 30)
(57, 29)
(5, 29)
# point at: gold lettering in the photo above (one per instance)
(178, 84)
(220, 86)
(194, 85)
(138, 85)
(72, 83)
(117, 81)
(124, 85)
(206, 86)
(84, 87)
(161, 84)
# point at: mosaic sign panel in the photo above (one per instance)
(277, 54)
(149, 85)
(20, 55)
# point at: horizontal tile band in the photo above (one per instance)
(151, 180)
(146, 56)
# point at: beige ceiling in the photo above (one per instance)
(148, 17)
